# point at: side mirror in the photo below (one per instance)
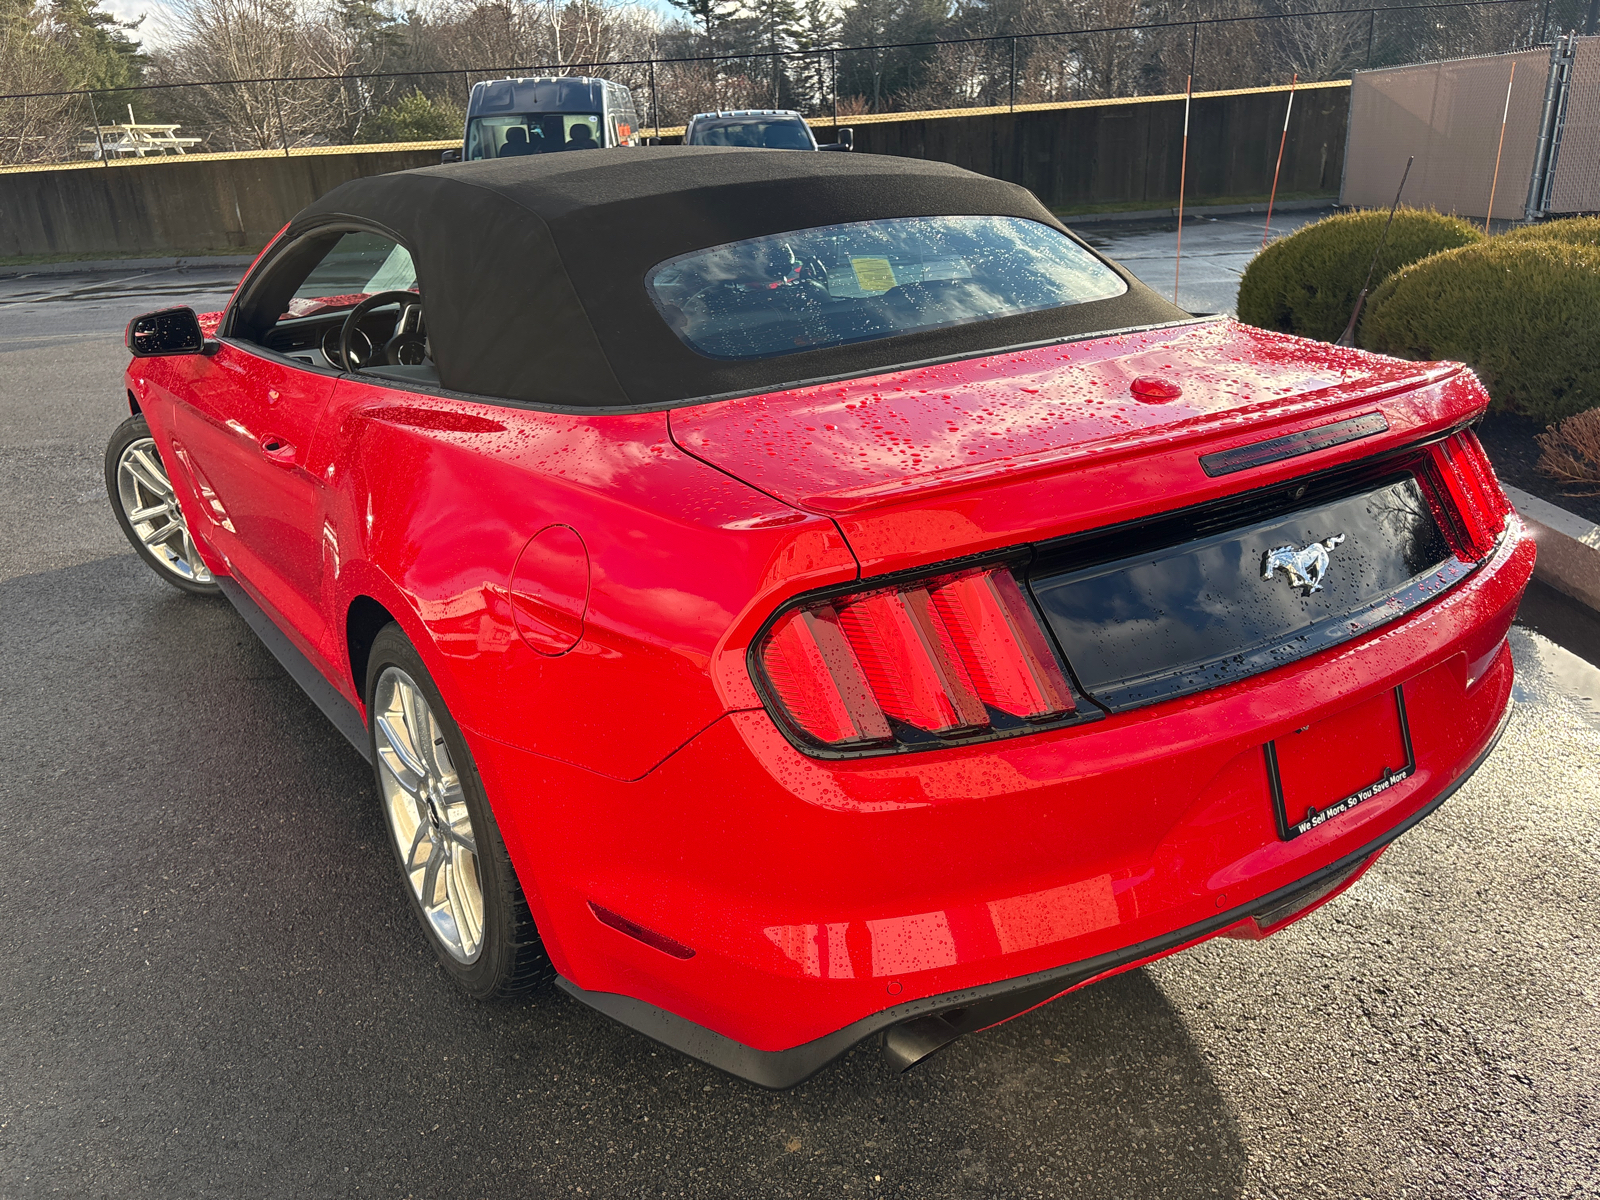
(167, 332)
(449, 156)
(652, 141)
(847, 138)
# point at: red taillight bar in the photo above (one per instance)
(930, 661)
(1469, 482)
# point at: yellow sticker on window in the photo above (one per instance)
(873, 274)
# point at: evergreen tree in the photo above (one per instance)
(708, 14)
(878, 75)
(95, 44)
(816, 28)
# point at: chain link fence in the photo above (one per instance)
(309, 112)
(1520, 131)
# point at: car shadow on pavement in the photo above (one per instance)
(214, 985)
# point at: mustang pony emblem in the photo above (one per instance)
(1305, 568)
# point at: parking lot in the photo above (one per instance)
(212, 986)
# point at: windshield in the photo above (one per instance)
(758, 133)
(516, 134)
(358, 265)
(870, 279)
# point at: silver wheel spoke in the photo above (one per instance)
(428, 815)
(157, 536)
(148, 504)
(399, 745)
(430, 880)
(460, 831)
(191, 555)
(420, 840)
(148, 473)
(461, 907)
(419, 724)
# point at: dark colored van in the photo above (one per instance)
(507, 118)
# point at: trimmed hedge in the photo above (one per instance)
(1307, 283)
(1575, 231)
(1524, 313)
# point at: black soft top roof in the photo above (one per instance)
(532, 269)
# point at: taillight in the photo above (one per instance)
(930, 661)
(1468, 480)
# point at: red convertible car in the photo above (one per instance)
(792, 598)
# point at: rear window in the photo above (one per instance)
(870, 279)
(532, 133)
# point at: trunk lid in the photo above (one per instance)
(961, 457)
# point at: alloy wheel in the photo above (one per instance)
(428, 816)
(151, 506)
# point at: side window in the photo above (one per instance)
(582, 130)
(358, 265)
(299, 305)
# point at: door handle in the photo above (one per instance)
(277, 451)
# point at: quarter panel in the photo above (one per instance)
(440, 496)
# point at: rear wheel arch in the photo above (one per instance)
(363, 621)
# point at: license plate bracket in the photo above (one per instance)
(1312, 771)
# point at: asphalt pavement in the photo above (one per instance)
(1216, 250)
(211, 984)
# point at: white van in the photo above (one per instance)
(507, 118)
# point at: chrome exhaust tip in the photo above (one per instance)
(907, 1044)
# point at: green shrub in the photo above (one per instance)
(1523, 313)
(1307, 283)
(413, 118)
(1575, 231)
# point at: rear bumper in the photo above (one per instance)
(972, 1009)
(826, 901)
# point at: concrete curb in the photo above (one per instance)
(1569, 547)
(1198, 210)
(191, 262)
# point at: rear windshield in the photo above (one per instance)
(532, 133)
(757, 133)
(870, 279)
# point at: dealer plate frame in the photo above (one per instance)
(1317, 817)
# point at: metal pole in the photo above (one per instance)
(1533, 209)
(655, 105)
(1282, 141)
(1494, 181)
(1013, 74)
(1544, 21)
(833, 61)
(1194, 49)
(1183, 173)
(98, 140)
(1372, 29)
(282, 134)
(1591, 23)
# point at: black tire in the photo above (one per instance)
(175, 559)
(510, 958)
